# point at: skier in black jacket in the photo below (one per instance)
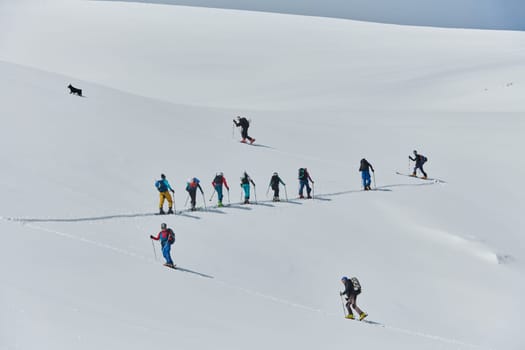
(274, 184)
(364, 168)
(244, 124)
(420, 160)
(352, 290)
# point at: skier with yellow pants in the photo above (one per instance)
(164, 187)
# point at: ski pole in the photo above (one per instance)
(267, 191)
(213, 194)
(228, 196)
(255, 193)
(374, 177)
(204, 200)
(343, 303)
(174, 206)
(233, 131)
(286, 193)
(154, 250)
(313, 190)
(186, 203)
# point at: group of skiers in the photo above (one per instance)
(219, 182)
(352, 287)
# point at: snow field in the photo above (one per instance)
(79, 173)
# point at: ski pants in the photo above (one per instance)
(218, 188)
(365, 175)
(166, 252)
(246, 188)
(276, 191)
(244, 133)
(193, 194)
(302, 184)
(165, 196)
(420, 167)
(351, 302)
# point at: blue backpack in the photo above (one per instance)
(161, 186)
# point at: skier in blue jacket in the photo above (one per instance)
(163, 186)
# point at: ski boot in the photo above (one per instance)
(350, 317)
(246, 201)
(424, 177)
(362, 316)
(220, 205)
(161, 211)
(243, 141)
(252, 141)
(170, 211)
(414, 174)
(301, 196)
(169, 265)
(276, 199)
(309, 197)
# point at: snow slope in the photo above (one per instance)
(440, 263)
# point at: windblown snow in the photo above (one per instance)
(440, 262)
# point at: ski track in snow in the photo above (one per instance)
(212, 209)
(239, 288)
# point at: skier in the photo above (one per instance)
(304, 180)
(167, 238)
(364, 168)
(244, 124)
(191, 186)
(164, 186)
(217, 183)
(274, 184)
(352, 290)
(245, 184)
(420, 160)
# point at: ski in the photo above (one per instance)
(421, 178)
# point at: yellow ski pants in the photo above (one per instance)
(165, 196)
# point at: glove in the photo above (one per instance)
(341, 293)
(151, 237)
(172, 191)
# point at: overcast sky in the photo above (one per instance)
(487, 14)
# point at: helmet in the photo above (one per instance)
(163, 176)
(163, 226)
(219, 173)
(190, 180)
(275, 173)
(415, 152)
(344, 278)
(238, 117)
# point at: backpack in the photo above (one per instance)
(356, 284)
(171, 236)
(218, 180)
(302, 173)
(161, 186)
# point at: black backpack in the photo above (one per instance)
(302, 173)
(218, 180)
(356, 284)
(171, 236)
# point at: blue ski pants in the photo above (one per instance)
(302, 185)
(166, 252)
(218, 188)
(365, 175)
(246, 188)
